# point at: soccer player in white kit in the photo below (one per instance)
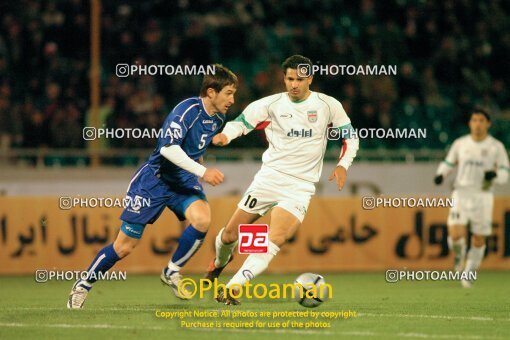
(482, 161)
(297, 131)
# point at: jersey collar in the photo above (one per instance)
(207, 113)
(479, 141)
(203, 107)
(299, 101)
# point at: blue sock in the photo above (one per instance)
(189, 243)
(103, 261)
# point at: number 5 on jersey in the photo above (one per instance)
(202, 141)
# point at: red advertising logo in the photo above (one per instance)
(253, 238)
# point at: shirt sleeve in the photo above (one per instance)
(350, 142)
(447, 165)
(339, 118)
(253, 114)
(176, 155)
(175, 129)
(502, 165)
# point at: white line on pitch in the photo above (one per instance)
(347, 333)
(64, 325)
(100, 309)
(425, 316)
(278, 331)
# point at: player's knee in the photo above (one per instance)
(455, 236)
(201, 222)
(478, 240)
(456, 232)
(127, 239)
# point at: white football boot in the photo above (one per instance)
(174, 282)
(78, 295)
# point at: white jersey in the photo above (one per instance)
(297, 132)
(474, 159)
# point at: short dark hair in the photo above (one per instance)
(480, 111)
(222, 77)
(293, 62)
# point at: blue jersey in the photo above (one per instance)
(190, 127)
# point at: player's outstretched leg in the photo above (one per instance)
(199, 215)
(254, 265)
(457, 245)
(223, 257)
(283, 225)
(474, 257)
(226, 242)
(125, 242)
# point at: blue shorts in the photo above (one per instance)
(150, 195)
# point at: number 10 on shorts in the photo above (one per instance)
(253, 238)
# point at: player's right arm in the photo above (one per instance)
(502, 165)
(254, 114)
(176, 155)
(447, 165)
(177, 129)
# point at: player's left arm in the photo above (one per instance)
(502, 165)
(246, 122)
(350, 142)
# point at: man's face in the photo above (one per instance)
(222, 100)
(478, 124)
(297, 87)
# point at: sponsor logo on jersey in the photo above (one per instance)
(474, 162)
(286, 115)
(207, 121)
(300, 133)
(312, 116)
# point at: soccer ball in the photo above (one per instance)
(310, 290)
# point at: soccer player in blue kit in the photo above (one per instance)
(170, 179)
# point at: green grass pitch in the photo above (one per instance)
(384, 311)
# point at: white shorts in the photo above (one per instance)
(271, 188)
(473, 207)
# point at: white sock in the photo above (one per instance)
(474, 258)
(458, 247)
(172, 267)
(254, 265)
(223, 251)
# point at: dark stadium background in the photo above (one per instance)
(451, 56)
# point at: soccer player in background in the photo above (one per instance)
(170, 179)
(296, 128)
(482, 161)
